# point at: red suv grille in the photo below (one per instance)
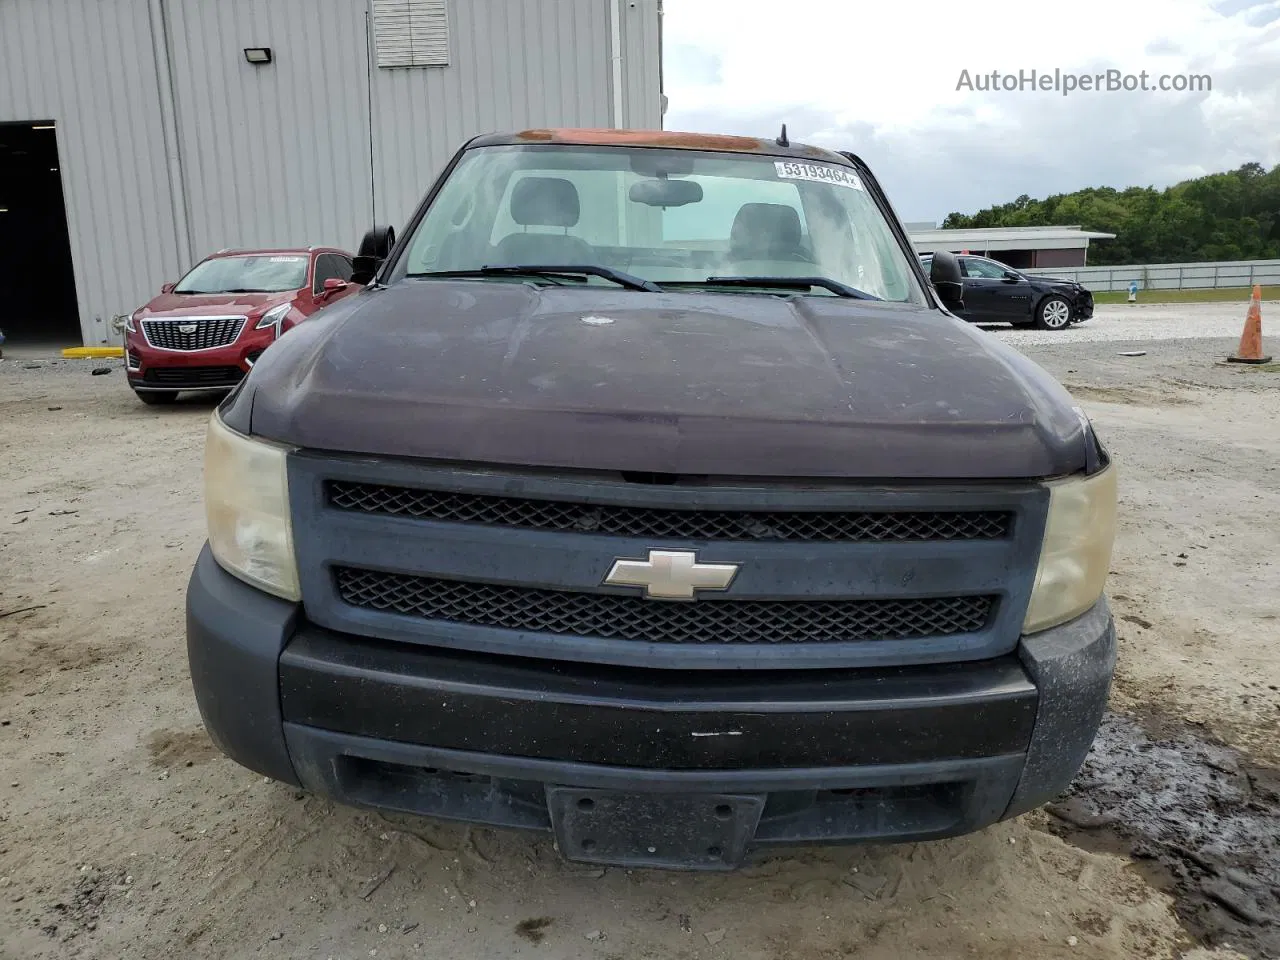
(192, 333)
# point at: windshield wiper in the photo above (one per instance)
(791, 283)
(587, 270)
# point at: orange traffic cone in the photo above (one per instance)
(1250, 349)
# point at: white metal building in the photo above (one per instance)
(167, 129)
(1021, 247)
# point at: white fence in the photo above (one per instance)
(1171, 276)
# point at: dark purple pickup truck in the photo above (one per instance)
(650, 494)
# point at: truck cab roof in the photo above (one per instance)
(665, 139)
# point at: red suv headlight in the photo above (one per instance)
(274, 318)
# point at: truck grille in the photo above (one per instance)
(615, 617)
(209, 332)
(931, 525)
(510, 561)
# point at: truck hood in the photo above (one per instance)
(682, 383)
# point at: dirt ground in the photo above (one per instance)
(123, 833)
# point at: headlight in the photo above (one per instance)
(130, 322)
(274, 318)
(246, 496)
(1076, 553)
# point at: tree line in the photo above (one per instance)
(1222, 216)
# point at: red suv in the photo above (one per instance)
(205, 331)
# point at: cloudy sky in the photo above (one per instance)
(881, 79)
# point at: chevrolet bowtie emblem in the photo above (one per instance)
(671, 574)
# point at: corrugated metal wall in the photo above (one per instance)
(515, 65)
(282, 153)
(642, 63)
(89, 66)
(277, 154)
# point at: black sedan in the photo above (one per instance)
(995, 293)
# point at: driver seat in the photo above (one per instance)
(768, 232)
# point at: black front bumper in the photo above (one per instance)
(186, 378)
(638, 766)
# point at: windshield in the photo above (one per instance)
(673, 217)
(265, 273)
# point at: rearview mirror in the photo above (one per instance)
(376, 246)
(944, 274)
(665, 193)
(167, 287)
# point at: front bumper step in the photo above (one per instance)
(654, 719)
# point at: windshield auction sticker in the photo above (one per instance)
(790, 170)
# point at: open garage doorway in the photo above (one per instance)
(39, 306)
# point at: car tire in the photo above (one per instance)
(1054, 313)
(157, 398)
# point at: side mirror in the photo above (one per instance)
(167, 287)
(374, 249)
(332, 286)
(944, 274)
(1010, 275)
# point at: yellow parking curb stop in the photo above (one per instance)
(80, 353)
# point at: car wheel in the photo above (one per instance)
(1053, 314)
(157, 398)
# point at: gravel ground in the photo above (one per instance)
(123, 832)
(1200, 321)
